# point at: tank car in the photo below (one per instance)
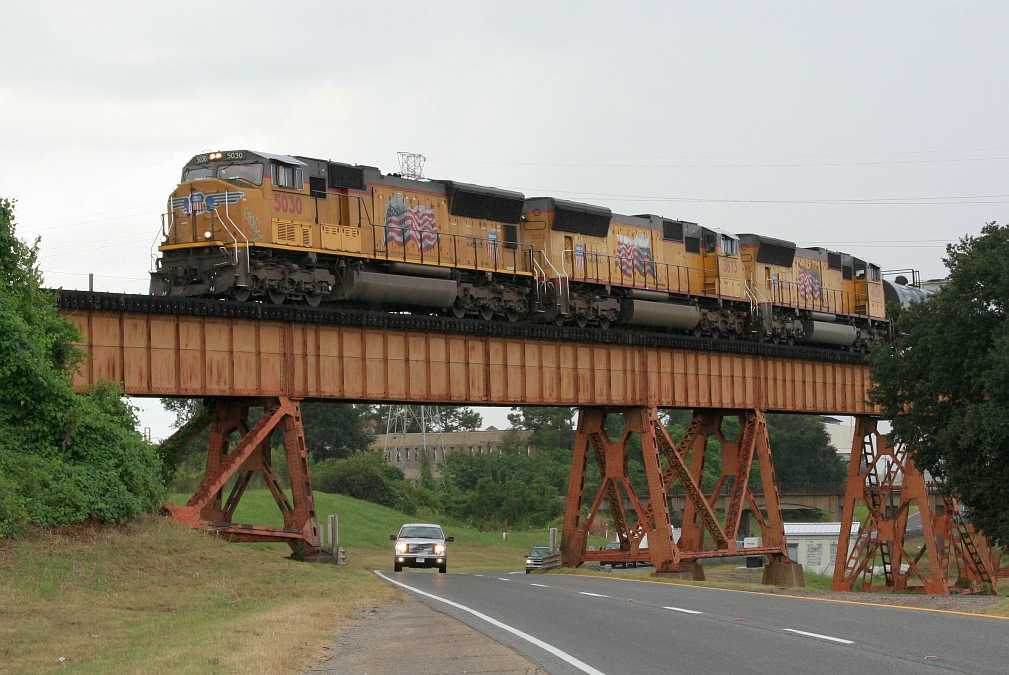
(289, 229)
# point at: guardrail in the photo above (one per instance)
(551, 562)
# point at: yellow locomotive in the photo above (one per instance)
(257, 226)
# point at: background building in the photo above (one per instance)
(406, 451)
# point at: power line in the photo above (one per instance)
(883, 201)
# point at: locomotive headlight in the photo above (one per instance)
(207, 234)
(164, 239)
(214, 155)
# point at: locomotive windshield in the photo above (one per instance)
(250, 173)
(198, 173)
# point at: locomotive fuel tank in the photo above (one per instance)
(842, 335)
(396, 289)
(659, 314)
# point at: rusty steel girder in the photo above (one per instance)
(208, 510)
(666, 464)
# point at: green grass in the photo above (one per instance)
(158, 597)
(365, 530)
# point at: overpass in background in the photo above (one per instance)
(238, 356)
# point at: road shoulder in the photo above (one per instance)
(411, 637)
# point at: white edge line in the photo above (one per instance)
(817, 635)
(564, 656)
(594, 595)
(540, 585)
(685, 611)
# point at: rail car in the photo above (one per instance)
(283, 229)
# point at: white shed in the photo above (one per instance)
(814, 545)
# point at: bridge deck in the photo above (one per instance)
(158, 347)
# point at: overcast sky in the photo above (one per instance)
(879, 129)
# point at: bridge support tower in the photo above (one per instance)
(884, 480)
(209, 510)
(666, 463)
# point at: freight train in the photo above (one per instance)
(254, 226)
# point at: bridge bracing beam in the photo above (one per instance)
(209, 510)
(704, 535)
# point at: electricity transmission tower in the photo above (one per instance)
(399, 421)
(411, 165)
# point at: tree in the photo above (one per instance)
(802, 454)
(334, 430)
(445, 418)
(944, 383)
(552, 427)
(64, 457)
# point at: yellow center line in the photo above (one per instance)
(797, 597)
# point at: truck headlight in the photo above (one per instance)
(529, 561)
(439, 549)
(401, 548)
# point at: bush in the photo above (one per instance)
(366, 476)
(64, 457)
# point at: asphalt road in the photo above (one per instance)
(620, 627)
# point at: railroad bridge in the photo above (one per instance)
(242, 355)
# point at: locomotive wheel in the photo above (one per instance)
(581, 320)
(512, 316)
(486, 313)
(604, 323)
(241, 294)
(313, 299)
(458, 311)
(277, 297)
(560, 319)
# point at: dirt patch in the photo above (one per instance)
(411, 637)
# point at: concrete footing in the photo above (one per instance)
(687, 572)
(785, 574)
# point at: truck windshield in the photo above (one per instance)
(250, 173)
(421, 532)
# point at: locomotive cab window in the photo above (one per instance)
(709, 243)
(692, 244)
(859, 270)
(288, 177)
(198, 173)
(730, 246)
(250, 173)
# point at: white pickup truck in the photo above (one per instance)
(421, 545)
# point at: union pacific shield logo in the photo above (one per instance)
(198, 202)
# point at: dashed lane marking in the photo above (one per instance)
(564, 656)
(817, 635)
(540, 585)
(685, 611)
(503, 579)
(594, 595)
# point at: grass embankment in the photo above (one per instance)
(155, 597)
(365, 530)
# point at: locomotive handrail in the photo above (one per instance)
(383, 248)
(830, 300)
(227, 214)
(650, 266)
(562, 280)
